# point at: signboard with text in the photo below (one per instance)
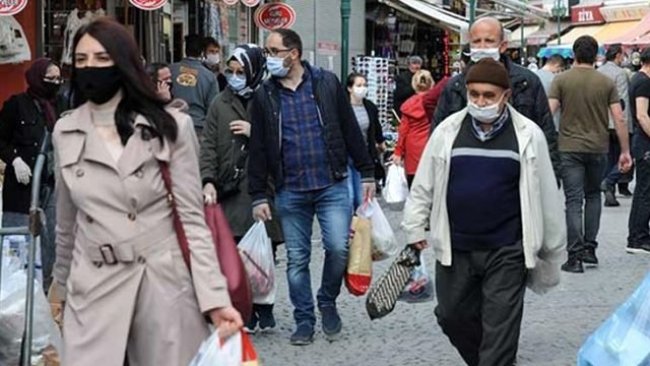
(624, 13)
(275, 16)
(586, 15)
(328, 48)
(12, 7)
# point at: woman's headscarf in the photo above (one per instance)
(251, 57)
(39, 90)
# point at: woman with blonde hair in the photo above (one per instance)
(414, 126)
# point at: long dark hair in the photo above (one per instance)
(139, 90)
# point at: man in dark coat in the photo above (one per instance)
(528, 96)
(403, 88)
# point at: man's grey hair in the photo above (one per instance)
(415, 60)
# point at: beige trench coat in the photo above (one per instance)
(128, 290)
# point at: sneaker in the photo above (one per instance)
(331, 321)
(251, 326)
(610, 199)
(304, 335)
(573, 265)
(638, 248)
(265, 316)
(588, 257)
(624, 190)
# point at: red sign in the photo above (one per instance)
(274, 16)
(230, 2)
(12, 7)
(586, 15)
(147, 4)
(327, 48)
(250, 3)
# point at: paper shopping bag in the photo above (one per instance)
(359, 272)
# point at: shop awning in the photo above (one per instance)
(577, 32)
(614, 30)
(514, 41)
(632, 36)
(429, 14)
(547, 31)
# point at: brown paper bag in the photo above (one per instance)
(359, 271)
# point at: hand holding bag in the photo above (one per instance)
(225, 247)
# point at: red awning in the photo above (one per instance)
(633, 36)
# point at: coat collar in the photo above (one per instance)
(79, 140)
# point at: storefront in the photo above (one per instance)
(401, 28)
(604, 23)
(636, 21)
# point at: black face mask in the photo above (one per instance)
(98, 84)
(51, 88)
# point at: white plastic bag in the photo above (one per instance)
(211, 354)
(13, 290)
(397, 188)
(384, 242)
(256, 251)
(16, 246)
(419, 288)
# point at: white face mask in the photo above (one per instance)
(213, 59)
(477, 54)
(487, 114)
(360, 92)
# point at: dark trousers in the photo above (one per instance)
(481, 303)
(582, 174)
(612, 174)
(640, 212)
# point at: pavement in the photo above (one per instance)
(554, 325)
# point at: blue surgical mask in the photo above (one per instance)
(236, 83)
(276, 67)
(477, 54)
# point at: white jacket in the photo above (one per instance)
(542, 211)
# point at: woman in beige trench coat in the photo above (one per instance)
(129, 294)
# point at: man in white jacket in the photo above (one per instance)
(486, 186)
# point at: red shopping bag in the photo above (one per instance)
(230, 261)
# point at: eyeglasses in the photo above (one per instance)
(230, 72)
(275, 51)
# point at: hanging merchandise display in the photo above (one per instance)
(148, 4)
(380, 73)
(12, 7)
(275, 16)
(13, 42)
(73, 24)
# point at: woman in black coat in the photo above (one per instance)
(24, 119)
(368, 118)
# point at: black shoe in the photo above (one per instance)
(588, 257)
(573, 265)
(251, 325)
(331, 321)
(303, 335)
(610, 199)
(624, 190)
(265, 316)
(638, 248)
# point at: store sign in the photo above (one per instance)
(12, 7)
(586, 15)
(147, 4)
(274, 16)
(327, 48)
(230, 2)
(250, 3)
(624, 13)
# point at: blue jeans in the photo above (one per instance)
(331, 206)
(354, 186)
(582, 174)
(612, 175)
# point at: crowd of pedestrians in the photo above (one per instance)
(487, 154)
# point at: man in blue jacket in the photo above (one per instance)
(303, 133)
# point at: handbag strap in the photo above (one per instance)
(178, 225)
